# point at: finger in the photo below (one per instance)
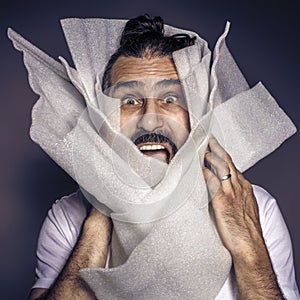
(244, 183)
(239, 174)
(221, 169)
(218, 150)
(217, 164)
(212, 182)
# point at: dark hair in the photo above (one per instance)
(144, 37)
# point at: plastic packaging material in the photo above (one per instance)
(165, 244)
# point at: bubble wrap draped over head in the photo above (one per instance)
(165, 244)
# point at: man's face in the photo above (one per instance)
(153, 108)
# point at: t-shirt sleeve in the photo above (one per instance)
(58, 236)
(278, 242)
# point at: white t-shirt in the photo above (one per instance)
(63, 223)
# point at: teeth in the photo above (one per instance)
(151, 147)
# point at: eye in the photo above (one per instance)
(170, 99)
(129, 101)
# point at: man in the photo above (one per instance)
(154, 116)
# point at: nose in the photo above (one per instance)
(151, 119)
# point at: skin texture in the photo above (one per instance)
(236, 213)
(146, 105)
(151, 97)
(89, 252)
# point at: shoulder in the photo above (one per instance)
(267, 205)
(66, 217)
(73, 206)
(272, 222)
(263, 197)
(58, 237)
(274, 229)
(278, 242)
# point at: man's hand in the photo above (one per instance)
(89, 252)
(237, 220)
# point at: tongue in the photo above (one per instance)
(158, 154)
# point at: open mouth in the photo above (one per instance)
(160, 151)
(157, 145)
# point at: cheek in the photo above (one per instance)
(180, 126)
(183, 119)
(186, 121)
(127, 124)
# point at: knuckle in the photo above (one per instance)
(207, 154)
(218, 200)
(238, 187)
(248, 186)
(231, 194)
(206, 173)
(224, 167)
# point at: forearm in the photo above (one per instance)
(69, 287)
(89, 252)
(238, 223)
(255, 275)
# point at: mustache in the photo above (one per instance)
(154, 137)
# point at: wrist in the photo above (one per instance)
(249, 249)
(254, 273)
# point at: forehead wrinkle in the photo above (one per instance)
(132, 68)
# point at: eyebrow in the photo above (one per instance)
(126, 84)
(135, 83)
(167, 83)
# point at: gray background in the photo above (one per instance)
(264, 39)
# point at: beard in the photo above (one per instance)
(158, 137)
